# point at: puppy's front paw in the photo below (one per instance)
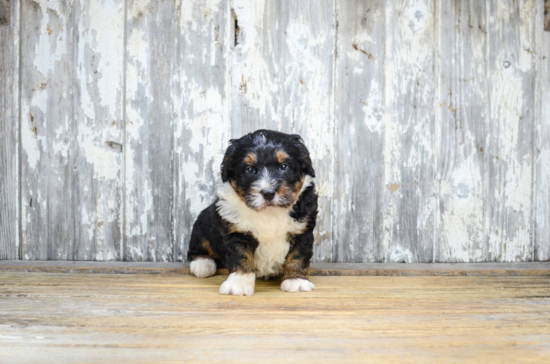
(203, 267)
(239, 284)
(297, 285)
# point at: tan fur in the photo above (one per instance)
(246, 265)
(298, 187)
(294, 267)
(286, 190)
(281, 156)
(251, 159)
(206, 246)
(238, 191)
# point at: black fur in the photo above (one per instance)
(235, 249)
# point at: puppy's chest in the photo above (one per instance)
(271, 228)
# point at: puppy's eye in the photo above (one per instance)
(250, 170)
(283, 167)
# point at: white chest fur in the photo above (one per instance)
(270, 227)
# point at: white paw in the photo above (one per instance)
(239, 284)
(297, 285)
(203, 267)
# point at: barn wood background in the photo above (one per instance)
(428, 122)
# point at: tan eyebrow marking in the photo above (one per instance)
(251, 158)
(281, 156)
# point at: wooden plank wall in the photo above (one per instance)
(71, 129)
(282, 78)
(428, 122)
(9, 132)
(542, 141)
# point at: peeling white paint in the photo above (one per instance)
(29, 142)
(71, 96)
(286, 84)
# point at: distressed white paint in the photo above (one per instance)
(542, 131)
(426, 121)
(360, 119)
(201, 124)
(281, 74)
(71, 105)
(408, 189)
(151, 52)
(462, 134)
(511, 116)
(9, 133)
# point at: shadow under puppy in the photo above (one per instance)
(261, 223)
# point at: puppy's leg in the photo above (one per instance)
(240, 262)
(295, 276)
(202, 263)
(204, 247)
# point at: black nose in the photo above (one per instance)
(268, 194)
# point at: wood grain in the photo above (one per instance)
(9, 134)
(177, 127)
(409, 190)
(316, 269)
(281, 74)
(201, 124)
(511, 75)
(462, 135)
(542, 129)
(149, 318)
(71, 127)
(360, 116)
(5, 16)
(149, 183)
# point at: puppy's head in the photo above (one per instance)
(267, 168)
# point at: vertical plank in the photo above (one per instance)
(462, 106)
(360, 118)
(409, 93)
(511, 79)
(71, 129)
(151, 50)
(546, 15)
(201, 126)
(5, 14)
(542, 181)
(281, 74)
(9, 131)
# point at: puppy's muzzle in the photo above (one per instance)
(268, 195)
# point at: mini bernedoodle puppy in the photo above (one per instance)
(261, 223)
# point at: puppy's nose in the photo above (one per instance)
(268, 194)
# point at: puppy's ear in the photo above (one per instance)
(303, 155)
(228, 159)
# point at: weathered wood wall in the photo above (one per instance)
(428, 122)
(9, 131)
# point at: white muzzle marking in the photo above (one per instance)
(266, 182)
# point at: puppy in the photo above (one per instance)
(261, 223)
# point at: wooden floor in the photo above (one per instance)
(139, 318)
